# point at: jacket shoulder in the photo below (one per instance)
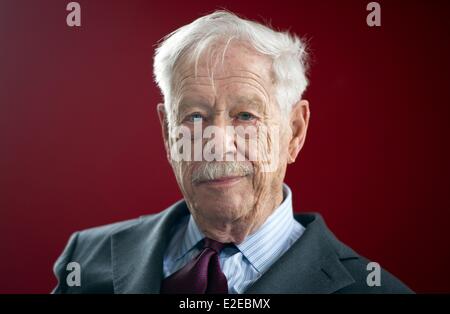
(371, 278)
(91, 250)
(100, 234)
(105, 231)
(368, 277)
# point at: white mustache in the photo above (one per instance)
(216, 170)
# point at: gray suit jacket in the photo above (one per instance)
(127, 257)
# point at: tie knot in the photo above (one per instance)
(214, 245)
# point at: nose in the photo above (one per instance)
(225, 137)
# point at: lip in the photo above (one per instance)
(222, 182)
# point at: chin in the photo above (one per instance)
(221, 209)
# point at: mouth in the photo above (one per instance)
(222, 182)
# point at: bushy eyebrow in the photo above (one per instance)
(186, 105)
(253, 101)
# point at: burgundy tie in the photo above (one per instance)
(201, 275)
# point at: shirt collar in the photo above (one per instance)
(270, 237)
(191, 237)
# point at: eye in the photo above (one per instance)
(245, 116)
(195, 117)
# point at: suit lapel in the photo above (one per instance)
(311, 265)
(137, 252)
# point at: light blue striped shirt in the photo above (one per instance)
(243, 263)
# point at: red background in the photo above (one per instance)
(81, 145)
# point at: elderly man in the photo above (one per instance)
(232, 120)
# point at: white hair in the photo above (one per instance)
(287, 51)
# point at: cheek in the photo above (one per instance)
(283, 143)
(284, 149)
(183, 173)
(275, 149)
(260, 177)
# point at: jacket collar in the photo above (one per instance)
(311, 265)
(137, 252)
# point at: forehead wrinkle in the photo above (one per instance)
(261, 102)
(259, 86)
(206, 96)
(188, 74)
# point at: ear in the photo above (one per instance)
(299, 119)
(161, 110)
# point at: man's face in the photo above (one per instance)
(236, 91)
